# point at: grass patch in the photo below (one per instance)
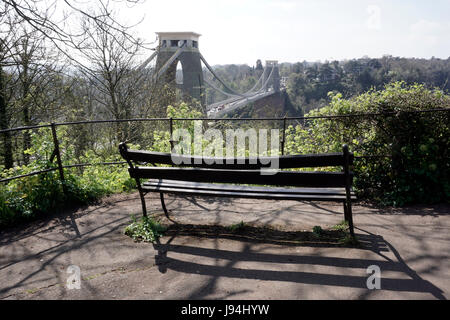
(342, 226)
(146, 229)
(340, 231)
(237, 227)
(32, 291)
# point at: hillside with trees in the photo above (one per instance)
(308, 83)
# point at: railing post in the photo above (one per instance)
(348, 202)
(283, 139)
(171, 132)
(58, 157)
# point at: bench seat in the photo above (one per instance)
(240, 191)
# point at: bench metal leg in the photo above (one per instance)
(141, 194)
(350, 218)
(163, 204)
(345, 212)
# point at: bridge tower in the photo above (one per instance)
(181, 47)
(274, 82)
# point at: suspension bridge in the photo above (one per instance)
(183, 48)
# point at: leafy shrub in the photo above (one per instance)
(161, 138)
(317, 231)
(26, 198)
(415, 146)
(342, 226)
(146, 230)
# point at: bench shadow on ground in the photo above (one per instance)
(434, 210)
(367, 241)
(250, 235)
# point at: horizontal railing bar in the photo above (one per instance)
(65, 167)
(370, 157)
(94, 164)
(109, 121)
(26, 128)
(315, 117)
(28, 174)
(225, 119)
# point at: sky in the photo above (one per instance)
(242, 31)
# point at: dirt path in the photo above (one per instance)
(410, 246)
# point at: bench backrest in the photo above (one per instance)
(242, 170)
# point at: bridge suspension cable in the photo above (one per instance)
(218, 89)
(256, 84)
(238, 101)
(245, 94)
(264, 86)
(218, 78)
(146, 62)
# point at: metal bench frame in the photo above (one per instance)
(219, 176)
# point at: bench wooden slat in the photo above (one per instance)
(253, 195)
(284, 162)
(281, 178)
(239, 188)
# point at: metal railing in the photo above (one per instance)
(57, 153)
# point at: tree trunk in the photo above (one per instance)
(4, 124)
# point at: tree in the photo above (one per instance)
(45, 18)
(35, 67)
(112, 69)
(7, 41)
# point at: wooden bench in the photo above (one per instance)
(220, 178)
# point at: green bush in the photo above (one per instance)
(416, 145)
(317, 231)
(29, 197)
